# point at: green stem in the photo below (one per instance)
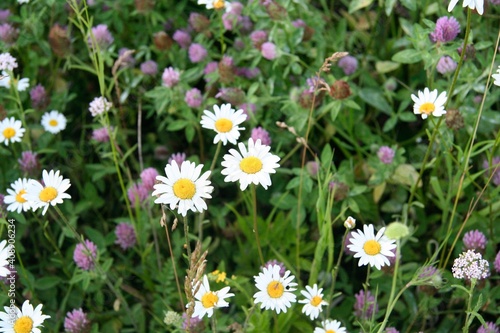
(186, 236)
(392, 300)
(450, 92)
(255, 227)
(468, 313)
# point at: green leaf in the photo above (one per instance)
(177, 125)
(375, 98)
(389, 6)
(386, 66)
(47, 282)
(358, 4)
(390, 123)
(407, 56)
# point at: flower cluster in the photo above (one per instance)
(470, 265)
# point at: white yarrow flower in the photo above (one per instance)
(11, 130)
(428, 102)
(470, 265)
(472, 4)
(207, 300)
(99, 105)
(15, 198)
(274, 290)
(370, 248)
(250, 166)
(53, 122)
(224, 121)
(313, 301)
(51, 193)
(184, 188)
(7, 62)
(26, 320)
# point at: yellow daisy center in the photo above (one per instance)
(219, 4)
(223, 125)
(48, 194)
(19, 196)
(330, 331)
(209, 300)
(316, 300)
(427, 108)
(372, 247)
(53, 122)
(9, 132)
(23, 325)
(275, 289)
(251, 165)
(184, 188)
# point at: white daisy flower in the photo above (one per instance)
(51, 193)
(26, 321)
(4, 256)
(15, 199)
(329, 326)
(428, 102)
(370, 248)
(53, 122)
(252, 165)
(22, 84)
(11, 130)
(274, 290)
(496, 77)
(184, 187)
(472, 4)
(215, 4)
(313, 301)
(225, 122)
(206, 300)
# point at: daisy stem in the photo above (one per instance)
(217, 151)
(436, 128)
(392, 300)
(336, 268)
(214, 324)
(255, 229)
(186, 235)
(174, 266)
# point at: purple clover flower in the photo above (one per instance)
(446, 65)
(76, 321)
(365, 306)
(28, 163)
(193, 98)
(149, 67)
(125, 236)
(349, 64)
(170, 77)
(148, 177)
(102, 36)
(276, 262)
(178, 158)
(137, 194)
(386, 154)
(85, 257)
(197, 53)
(268, 50)
(39, 98)
(100, 134)
(447, 29)
(490, 328)
(182, 38)
(475, 240)
(495, 163)
(262, 134)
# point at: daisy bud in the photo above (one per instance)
(350, 223)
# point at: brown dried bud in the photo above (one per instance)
(454, 119)
(340, 90)
(226, 70)
(276, 11)
(470, 52)
(200, 23)
(162, 40)
(143, 6)
(59, 40)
